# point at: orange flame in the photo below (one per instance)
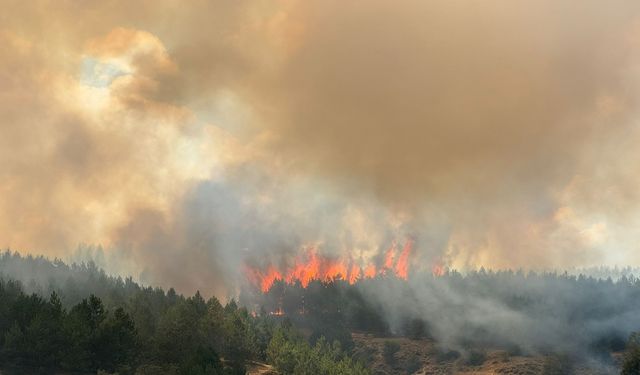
(311, 267)
(388, 257)
(335, 270)
(438, 270)
(402, 266)
(370, 271)
(304, 272)
(264, 279)
(277, 312)
(354, 274)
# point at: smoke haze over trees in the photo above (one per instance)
(127, 328)
(523, 313)
(530, 313)
(345, 156)
(243, 130)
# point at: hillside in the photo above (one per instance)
(125, 328)
(83, 320)
(425, 357)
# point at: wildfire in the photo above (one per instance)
(354, 273)
(263, 280)
(402, 265)
(370, 271)
(312, 266)
(278, 312)
(388, 257)
(438, 270)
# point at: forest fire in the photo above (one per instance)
(312, 266)
(438, 270)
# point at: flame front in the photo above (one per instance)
(263, 279)
(402, 265)
(389, 255)
(370, 271)
(312, 266)
(438, 270)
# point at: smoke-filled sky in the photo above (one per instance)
(189, 138)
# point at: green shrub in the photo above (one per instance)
(412, 364)
(364, 354)
(558, 364)
(389, 351)
(446, 355)
(631, 361)
(475, 358)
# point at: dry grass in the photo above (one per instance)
(433, 360)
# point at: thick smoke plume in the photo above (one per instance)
(189, 141)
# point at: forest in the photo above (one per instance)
(523, 312)
(60, 318)
(85, 322)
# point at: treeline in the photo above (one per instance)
(151, 334)
(131, 329)
(41, 334)
(528, 313)
(524, 313)
(43, 276)
(332, 310)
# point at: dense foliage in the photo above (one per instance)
(130, 329)
(55, 316)
(166, 332)
(631, 362)
(291, 354)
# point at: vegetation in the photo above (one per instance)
(389, 351)
(475, 357)
(558, 364)
(542, 310)
(412, 364)
(631, 363)
(131, 329)
(291, 354)
(75, 318)
(182, 335)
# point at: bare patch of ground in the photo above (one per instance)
(424, 357)
(258, 368)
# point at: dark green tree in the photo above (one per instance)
(117, 341)
(631, 362)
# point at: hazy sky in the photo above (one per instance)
(189, 137)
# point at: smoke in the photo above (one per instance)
(188, 140)
(484, 116)
(528, 313)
